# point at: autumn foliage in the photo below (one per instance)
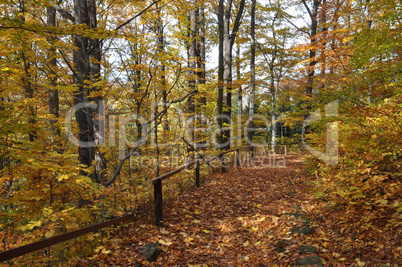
(97, 98)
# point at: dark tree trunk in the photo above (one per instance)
(220, 73)
(238, 77)
(226, 42)
(192, 60)
(313, 39)
(53, 93)
(202, 52)
(252, 70)
(87, 58)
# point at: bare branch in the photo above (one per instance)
(308, 9)
(144, 137)
(136, 16)
(64, 13)
(237, 22)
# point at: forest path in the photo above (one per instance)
(243, 217)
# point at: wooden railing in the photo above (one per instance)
(158, 202)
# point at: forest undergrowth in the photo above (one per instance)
(244, 217)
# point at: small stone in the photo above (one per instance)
(308, 249)
(301, 216)
(302, 230)
(149, 251)
(311, 260)
(281, 245)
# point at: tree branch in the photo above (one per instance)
(64, 13)
(308, 9)
(237, 22)
(144, 137)
(136, 16)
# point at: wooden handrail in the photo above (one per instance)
(19, 251)
(226, 152)
(170, 174)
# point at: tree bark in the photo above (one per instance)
(192, 64)
(87, 58)
(238, 77)
(313, 39)
(53, 93)
(226, 42)
(252, 70)
(220, 15)
(227, 75)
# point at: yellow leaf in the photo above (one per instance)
(107, 251)
(47, 211)
(246, 244)
(360, 263)
(164, 243)
(188, 240)
(49, 233)
(197, 211)
(62, 177)
(164, 231)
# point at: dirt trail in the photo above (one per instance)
(243, 217)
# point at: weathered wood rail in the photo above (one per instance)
(158, 203)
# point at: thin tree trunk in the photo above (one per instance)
(313, 39)
(238, 77)
(220, 72)
(227, 75)
(27, 79)
(201, 73)
(192, 65)
(252, 70)
(53, 93)
(227, 40)
(273, 120)
(202, 51)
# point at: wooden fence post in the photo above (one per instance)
(237, 155)
(158, 202)
(222, 163)
(197, 173)
(286, 150)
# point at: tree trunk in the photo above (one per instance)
(202, 51)
(201, 142)
(220, 73)
(87, 58)
(192, 65)
(252, 72)
(226, 42)
(53, 93)
(313, 39)
(227, 75)
(238, 77)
